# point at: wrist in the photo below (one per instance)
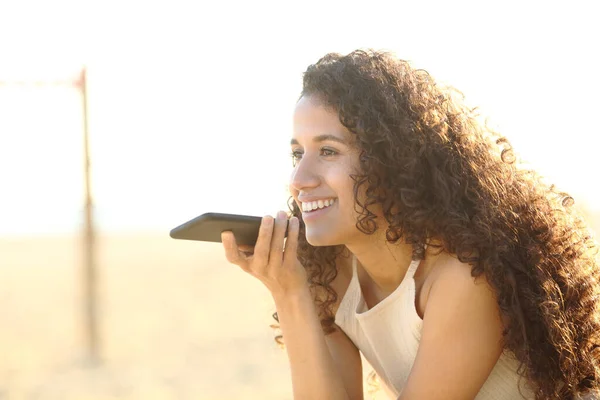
(293, 298)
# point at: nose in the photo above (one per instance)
(305, 175)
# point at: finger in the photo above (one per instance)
(263, 243)
(232, 253)
(278, 236)
(291, 244)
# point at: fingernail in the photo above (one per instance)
(281, 215)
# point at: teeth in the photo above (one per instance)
(313, 205)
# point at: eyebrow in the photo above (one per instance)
(323, 138)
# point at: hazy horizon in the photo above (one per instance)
(196, 117)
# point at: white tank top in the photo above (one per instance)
(388, 336)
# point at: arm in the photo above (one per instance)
(323, 367)
(461, 338)
(315, 373)
(347, 360)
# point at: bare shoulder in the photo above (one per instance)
(445, 272)
(449, 273)
(471, 301)
(461, 335)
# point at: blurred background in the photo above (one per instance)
(188, 109)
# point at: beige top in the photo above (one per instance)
(388, 336)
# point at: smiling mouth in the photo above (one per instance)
(311, 206)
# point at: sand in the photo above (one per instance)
(176, 321)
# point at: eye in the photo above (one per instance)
(296, 156)
(328, 152)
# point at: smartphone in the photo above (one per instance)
(208, 227)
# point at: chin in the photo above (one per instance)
(320, 240)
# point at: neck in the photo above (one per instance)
(384, 262)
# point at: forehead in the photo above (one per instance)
(312, 118)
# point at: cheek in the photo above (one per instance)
(348, 205)
(350, 202)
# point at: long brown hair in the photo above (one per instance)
(438, 172)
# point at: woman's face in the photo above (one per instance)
(324, 157)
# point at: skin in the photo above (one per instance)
(324, 172)
(455, 308)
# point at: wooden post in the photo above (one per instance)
(90, 283)
(89, 270)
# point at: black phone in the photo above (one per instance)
(208, 227)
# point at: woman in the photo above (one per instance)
(417, 239)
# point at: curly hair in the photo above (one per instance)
(439, 173)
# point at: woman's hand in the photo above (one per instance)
(271, 261)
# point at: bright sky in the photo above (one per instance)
(191, 102)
